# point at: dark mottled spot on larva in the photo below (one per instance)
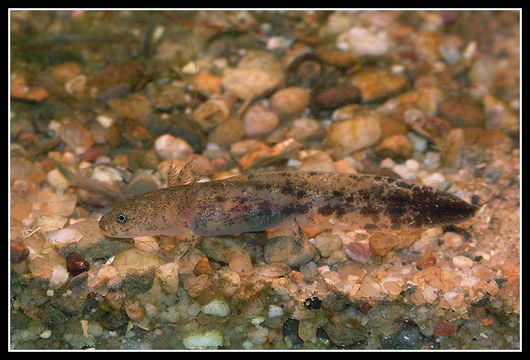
(220, 198)
(377, 178)
(295, 209)
(301, 194)
(325, 210)
(337, 194)
(364, 194)
(389, 180)
(288, 189)
(313, 173)
(328, 209)
(404, 184)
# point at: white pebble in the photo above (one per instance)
(217, 307)
(105, 121)
(169, 147)
(462, 262)
(433, 179)
(46, 334)
(63, 236)
(59, 277)
(212, 338)
(275, 311)
(412, 164)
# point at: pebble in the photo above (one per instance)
(343, 335)
(217, 307)
(76, 264)
(408, 337)
(363, 41)
(241, 264)
(382, 243)
(63, 237)
(18, 252)
(169, 147)
(290, 101)
(378, 83)
(290, 333)
(259, 120)
(212, 112)
(168, 274)
(59, 278)
(205, 340)
(397, 146)
(252, 78)
(286, 249)
(350, 135)
(327, 243)
(462, 112)
(462, 262)
(358, 251)
(335, 97)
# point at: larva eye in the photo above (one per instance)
(122, 218)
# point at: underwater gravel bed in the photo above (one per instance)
(105, 103)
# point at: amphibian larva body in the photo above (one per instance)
(259, 201)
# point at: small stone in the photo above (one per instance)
(375, 84)
(327, 243)
(249, 83)
(18, 252)
(427, 260)
(76, 264)
(217, 307)
(358, 251)
(408, 337)
(202, 267)
(59, 278)
(453, 240)
(169, 147)
(335, 97)
(343, 335)
(363, 41)
(382, 243)
(391, 126)
(259, 121)
(290, 101)
(288, 250)
(443, 328)
(241, 264)
(134, 309)
(392, 288)
(354, 134)
(212, 112)
(275, 311)
(168, 274)
(208, 339)
(397, 146)
(462, 262)
(462, 112)
(228, 132)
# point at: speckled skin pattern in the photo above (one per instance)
(259, 201)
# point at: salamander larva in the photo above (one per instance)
(259, 201)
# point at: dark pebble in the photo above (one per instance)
(76, 264)
(408, 337)
(290, 333)
(481, 302)
(500, 281)
(335, 97)
(312, 303)
(19, 252)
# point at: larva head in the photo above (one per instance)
(143, 215)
